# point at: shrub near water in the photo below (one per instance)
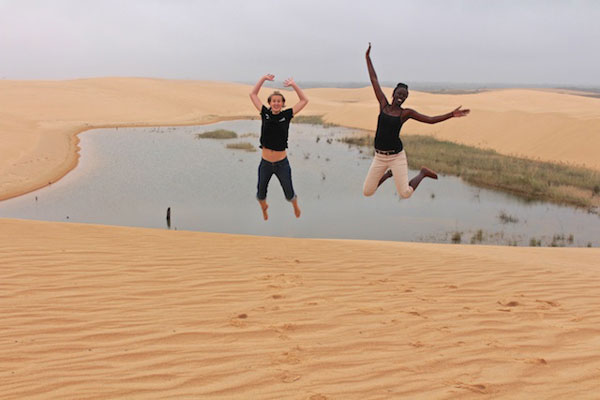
(217, 134)
(312, 120)
(241, 146)
(364, 140)
(529, 179)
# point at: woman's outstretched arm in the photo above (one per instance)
(457, 113)
(254, 93)
(303, 99)
(374, 82)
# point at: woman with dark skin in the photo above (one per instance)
(390, 158)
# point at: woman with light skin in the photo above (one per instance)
(390, 158)
(273, 141)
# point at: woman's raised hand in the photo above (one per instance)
(460, 113)
(269, 77)
(369, 50)
(289, 82)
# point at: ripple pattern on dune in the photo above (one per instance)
(92, 312)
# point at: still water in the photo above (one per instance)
(130, 176)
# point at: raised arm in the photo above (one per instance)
(254, 93)
(374, 82)
(303, 99)
(457, 113)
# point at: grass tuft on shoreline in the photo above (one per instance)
(312, 120)
(241, 146)
(528, 179)
(217, 134)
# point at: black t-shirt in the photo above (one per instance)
(387, 136)
(275, 128)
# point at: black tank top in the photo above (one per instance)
(387, 136)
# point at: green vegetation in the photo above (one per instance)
(528, 179)
(507, 219)
(456, 237)
(312, 120)
(560, 240)
(241, 146)
(533, 242)
(364, 140)
(477, 237)
(217, 134)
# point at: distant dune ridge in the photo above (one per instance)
(100, 312)
(39, 120)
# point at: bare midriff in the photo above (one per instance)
(273, 155)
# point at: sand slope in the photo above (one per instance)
(39, 120)
(93, 312)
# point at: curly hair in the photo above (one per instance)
(401, 85)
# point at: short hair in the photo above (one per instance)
(276, 93)
(401, 85)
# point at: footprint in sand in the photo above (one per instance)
(318, 397)
(538, 361)
(283, 330)
(371, 310)
(477, 388)
(292, 356)
(509, 304)
(284, 281)
(239, 320)
(289, 377)
(546, 303)
(418, 314)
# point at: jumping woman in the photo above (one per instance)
(273, 141)
(390, 158)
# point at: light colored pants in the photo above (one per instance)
(399, 166)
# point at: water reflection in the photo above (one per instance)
(130, 176)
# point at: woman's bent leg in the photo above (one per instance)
(424, 173)
(400, 171)
(399, 167)
(376, 171)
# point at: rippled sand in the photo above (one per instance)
(95, 312)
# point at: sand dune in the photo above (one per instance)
(93, 312)
(39, 120)
(97, 312)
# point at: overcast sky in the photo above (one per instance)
(481, 41)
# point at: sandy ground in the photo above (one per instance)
(96, 312)
(39, 120)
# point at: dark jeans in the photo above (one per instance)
(282, 170)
